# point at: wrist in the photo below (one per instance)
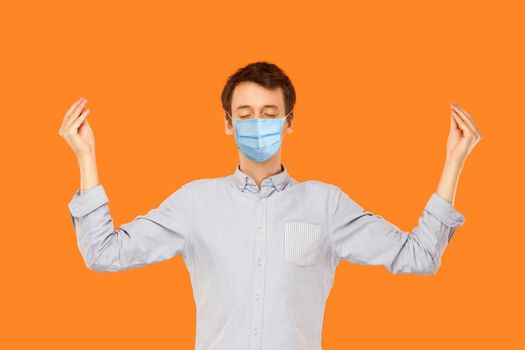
(86, 158)
(454, 164)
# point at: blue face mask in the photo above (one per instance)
(259, 139)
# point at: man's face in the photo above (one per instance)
(251, 101)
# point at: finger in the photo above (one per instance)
(468, 122)
(68, 124)
(462, 112)
(76, 112)
(467, 117)
(67, 114)
(74, 105)
(80, 119)
(475, 125)
(78, 109)
(461, 108)
(462, 124)
(83, 125)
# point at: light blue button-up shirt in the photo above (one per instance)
(261, 261)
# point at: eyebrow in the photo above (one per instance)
(265, 106)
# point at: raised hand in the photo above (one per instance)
(76, 131)
(463, 136)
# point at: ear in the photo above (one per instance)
(289, 126)
(228, 127)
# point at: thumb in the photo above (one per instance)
(83, 125)
(86, 122)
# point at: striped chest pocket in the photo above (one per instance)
(302, 242)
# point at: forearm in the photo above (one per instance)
(88, 172)
(449, 180)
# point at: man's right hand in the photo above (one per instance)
(76, 131)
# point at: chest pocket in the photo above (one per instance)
(302, 242)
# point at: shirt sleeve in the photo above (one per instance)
(362, 237)
(158, 235)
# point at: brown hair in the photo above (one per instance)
(263, 73)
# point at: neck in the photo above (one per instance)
(259, 171)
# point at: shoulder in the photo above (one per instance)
(334, 195)
(206, 184)
(318, 186)
(187, 191)
(315, 191)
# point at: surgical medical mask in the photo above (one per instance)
(259, 139)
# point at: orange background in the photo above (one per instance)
(374, 84)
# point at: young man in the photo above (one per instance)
(261, 248)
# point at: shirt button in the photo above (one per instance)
(260, 230)
(255, 331)
(257, 295)
(258, 262)
(260, 200)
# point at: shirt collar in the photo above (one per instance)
(279, 180)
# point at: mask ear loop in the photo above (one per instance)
(287, 116)
(232, 121)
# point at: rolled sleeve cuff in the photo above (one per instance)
(444, 211)
(82, 204)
